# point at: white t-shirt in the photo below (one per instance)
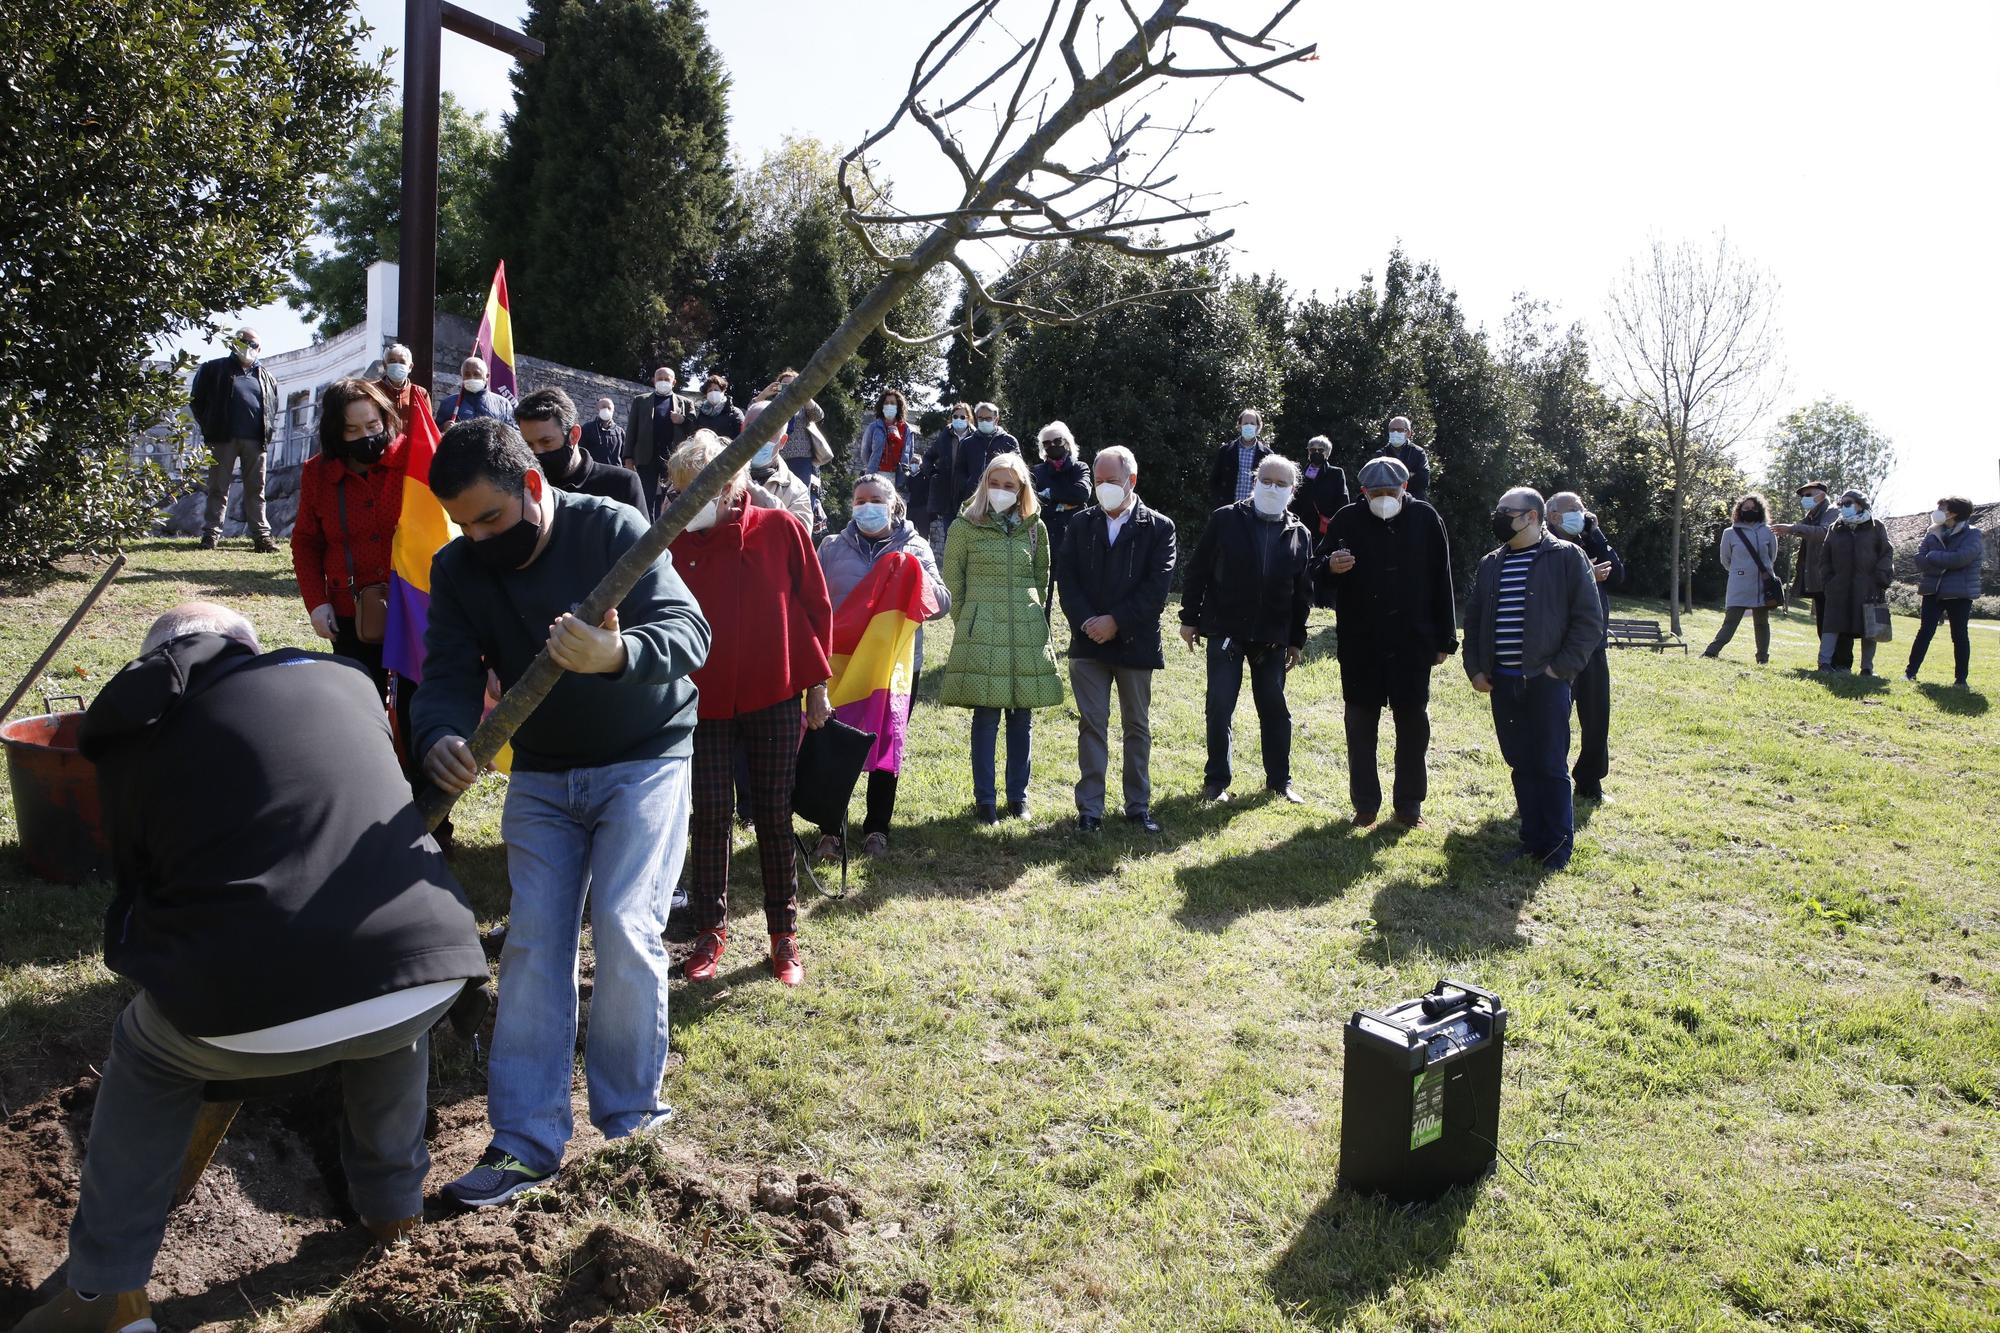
(342, 1024)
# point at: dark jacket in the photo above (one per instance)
(480, 617)
(1811, 532)
(1948, 562)
(1565, 621)
(934, 490)
(1322, 493)
(208, 399)
(604, 441)
(1064, 489)
(1250, 579)
(1222, 472)
(1856, 566)
(1599, 548)
(1128, 582)
(726, 421)
(1397, 600)
(1417, 459)
(968, 465)
(454, 408)
(639, 442)
(268, 860)
(591, 477)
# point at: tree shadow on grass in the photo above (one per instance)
(1354, 1248)
(1309, 867)
(1474, 909)
(950, 856)
(1957, 702)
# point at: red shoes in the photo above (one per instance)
(701, 965)
(785, 965)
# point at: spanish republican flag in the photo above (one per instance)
(421, 533)
(494, 343)
(874, 653)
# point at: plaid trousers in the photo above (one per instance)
(770, 736)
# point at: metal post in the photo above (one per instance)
(416, 296)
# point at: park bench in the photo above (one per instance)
(1643, 634)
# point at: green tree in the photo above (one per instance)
(159, 163)
(1404, 348)
(614, 194)
(1828, 441)
(1166, 377)
(360, 210)
(792, 272)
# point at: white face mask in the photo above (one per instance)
(1811, 502)
(663, 387)
(987, 425)
(1385, 507)
(604, 414)
(715, 397)
(889, 411)
(474, 386)
(396, 372)
(704, 517)
(1110, 495)
(961, 426)
(1941, 517)
(1001, 501)
(1398, 437)
(1571, 521)
(1270, 498)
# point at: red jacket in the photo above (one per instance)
(374, 503)
(759, 584)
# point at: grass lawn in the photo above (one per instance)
(1097, 1081)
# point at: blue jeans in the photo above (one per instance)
(614, 835)
(985, 735)
(1267, 691)
(1531, 719)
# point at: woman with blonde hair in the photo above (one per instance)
(996, 569)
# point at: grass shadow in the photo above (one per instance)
(1953, 700)
(221, 584)
(1475, 909)
(1354, 1248)
(1842, 684)
(1309, 867)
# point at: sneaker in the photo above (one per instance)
(875, 844)
(495, 1180)
(1089, 824)
(1214, 791)
(1910, 676)
(1018, 809)
(701, 965)
(1287, 793)
(785, 964)
(988, 814)
(120, 1312)
(828, 849)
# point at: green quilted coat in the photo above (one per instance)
(1000, 655)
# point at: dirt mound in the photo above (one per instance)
(625, 1232)
(263, 1218)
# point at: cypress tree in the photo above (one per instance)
(614, 192)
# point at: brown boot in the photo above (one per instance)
(112, 1312)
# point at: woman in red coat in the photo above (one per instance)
(758, 580)
(350, 496)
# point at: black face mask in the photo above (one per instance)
(367, 450)
(560, 465)
(1503, 525)
(1056, 452)
(510, 549)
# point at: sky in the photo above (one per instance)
(1537, 148)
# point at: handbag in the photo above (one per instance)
(371, 603)
(1876, 624)
(822, 452)
(1774, 591)
(829, 766)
